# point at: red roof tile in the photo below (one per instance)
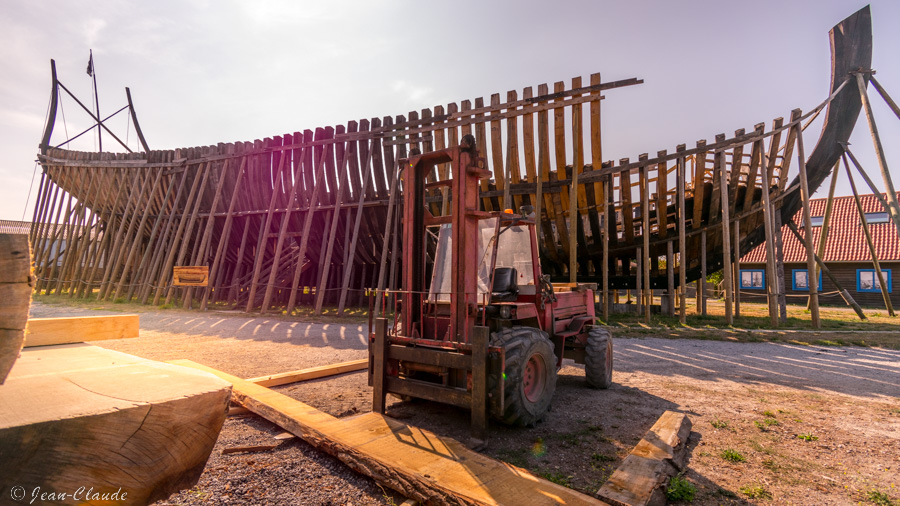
(846, 240)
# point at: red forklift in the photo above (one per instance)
(479, 326)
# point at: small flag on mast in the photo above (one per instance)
(90, 67)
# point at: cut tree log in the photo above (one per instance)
(16, 284)
(77, 415)
(414, 462)
(77, 329)
(642, 478)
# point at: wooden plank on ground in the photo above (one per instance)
(77, 329)
(321, 371)
(643, 475)
(414, 462)
(78, 416)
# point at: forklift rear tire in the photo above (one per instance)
(530, 374)
(598, 359)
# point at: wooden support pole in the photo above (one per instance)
(670, 278)
(771, 284)
(826, 221)
(367, 169)
(44, 235)
(263, 238)
(726, 238)
(388, 235)
(163, 275)
(107, 220)
(607, 188)
(884, 94)
(200, 258)
(137, 276)
(307, 224)
(42, 256)
(701, 283)
(188, 231)
(736, 276)
(894, 207)
(238, 266)
(137, 186)
(825, 270)
(638, 278)
(645, 235)
(138, 238)
(682, 245)
(285, 221)
(812, 279)
(58, 239)
(152, 275)
(779, 267)
(87, 227)
(73, 223)
(216, 268)
(875, 263)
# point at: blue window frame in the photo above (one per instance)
(753, 279)
(867, 280)
(800, 280)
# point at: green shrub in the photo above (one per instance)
(680, 489)
(732, 455)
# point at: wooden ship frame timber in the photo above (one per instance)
(312, 217)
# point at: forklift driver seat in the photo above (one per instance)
(506, 287)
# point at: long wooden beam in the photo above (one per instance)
(414, 462)
(311, 373)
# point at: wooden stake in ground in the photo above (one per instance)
(812, 281)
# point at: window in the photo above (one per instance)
(754, 279)
(817, 221)
(867, 280)
(872, 218)
(800, 280)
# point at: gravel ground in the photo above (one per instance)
(813, 424)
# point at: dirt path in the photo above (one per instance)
(747, 401)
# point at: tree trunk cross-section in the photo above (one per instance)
(76, 416)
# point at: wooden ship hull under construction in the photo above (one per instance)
(311, 217)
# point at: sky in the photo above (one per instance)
(204, 72)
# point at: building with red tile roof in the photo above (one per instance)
(846, 255)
